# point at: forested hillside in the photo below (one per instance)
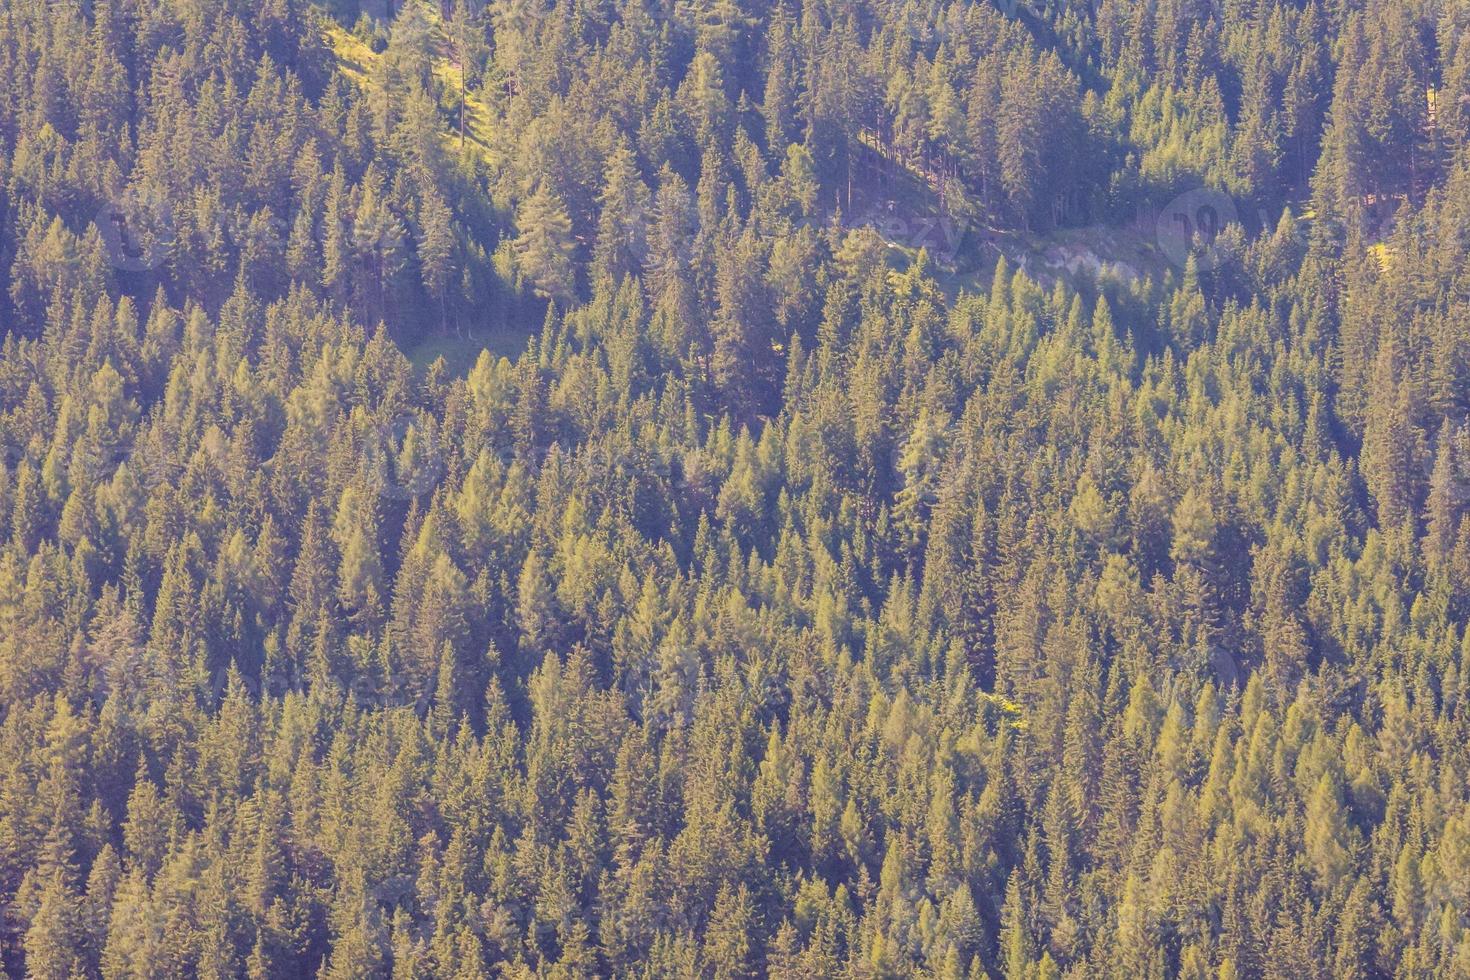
(786, 570)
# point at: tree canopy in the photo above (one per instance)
(808, 578)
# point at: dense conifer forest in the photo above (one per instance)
(735, 488)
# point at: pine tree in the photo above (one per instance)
(742, 358)
(436, 249)
(544, 245)
(56, 940)
(622, 227)
(1015, 935)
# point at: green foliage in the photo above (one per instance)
(756, 607)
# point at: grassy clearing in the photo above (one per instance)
(460, 353)
(354, 58)
(896, 199)
(357, 63)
